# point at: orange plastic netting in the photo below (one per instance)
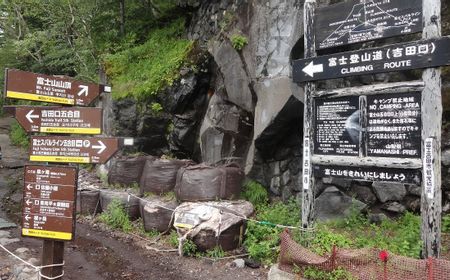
(370, 264)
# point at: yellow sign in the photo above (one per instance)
(60, 159)
(47, 234)
(71, 130)
(36, 97)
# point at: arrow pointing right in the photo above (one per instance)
(311, 69)
(84, 90)
(101, 147)
(30, 116)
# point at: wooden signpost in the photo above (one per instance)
(70, 120)
(383, 132)
(49, 193)
(53, 89)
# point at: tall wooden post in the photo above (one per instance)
(431, 139)
(308, 143)
(52, 253)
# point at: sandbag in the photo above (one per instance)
(213, 223)
(127, 171)
(156, 217)
(205, 183)
(130, 203)
(88, 201)
(159, 175)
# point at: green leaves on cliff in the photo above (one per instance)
(146, 69)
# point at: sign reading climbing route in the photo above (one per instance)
(359, 21)
(53, 89)
(74, 120)
(72, 149)
(394, 125)
(337, 126)
(48, 209)
(397, 57)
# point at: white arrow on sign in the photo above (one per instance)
(84, 90)
(30, 116)
(311, 69)
(28, 202)
(29, 187)
(27, 218)
(101, 147)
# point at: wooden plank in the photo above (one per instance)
(358, 21)
(363, 124)
(367, 161)
(431, 207)
(53, 253)
(399, 87)
(308, 143)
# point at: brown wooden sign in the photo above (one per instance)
(53, 89)
(72, 149)
(73, 120)
(358, 21)
(49, 196)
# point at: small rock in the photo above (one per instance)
(238, 263)
(389, 191)
(6, 241)
(4, 233)
(252, 263)
(376, 218)
(277, 274)
(34, 261)
(414, 190)
(22, 250)
(394, 207)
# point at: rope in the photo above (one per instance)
(36, 268)
(220, 208)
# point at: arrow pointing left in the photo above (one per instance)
(28, 202)
(27, 218)
(101, 147)
(311, 69)
(29, 187)
(84, 90)
(30, 116)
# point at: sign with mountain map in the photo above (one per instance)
(359, 21)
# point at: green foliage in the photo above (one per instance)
(145, 70)
(18, 136)
(215, 253)
(324, 239)
(116, 217)
(446, 224)
(262, 239)
(313, 273)
(238, 41)
(189, 247)
(156, 107)
(255, 193)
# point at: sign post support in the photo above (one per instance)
(310, 88)
(52, 253)
(431, 207)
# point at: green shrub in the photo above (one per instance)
(255, 193)
(313, 273)
(189, 247)
(145, 70)
(18, 136)
(116, 217)
(446, 224)
(215, 253)
(238, 41)
(262, 239)
(156, 107)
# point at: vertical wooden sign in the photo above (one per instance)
(431, 207)
(308, 143)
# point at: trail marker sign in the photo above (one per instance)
(73, 120)
(396, 57)
(53, 89)
(49, 195)
(72, 149)
(359, 21)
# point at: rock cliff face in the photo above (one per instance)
(242, 106)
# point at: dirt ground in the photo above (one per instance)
(97, 253)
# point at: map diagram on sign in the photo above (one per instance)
(366, 21)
